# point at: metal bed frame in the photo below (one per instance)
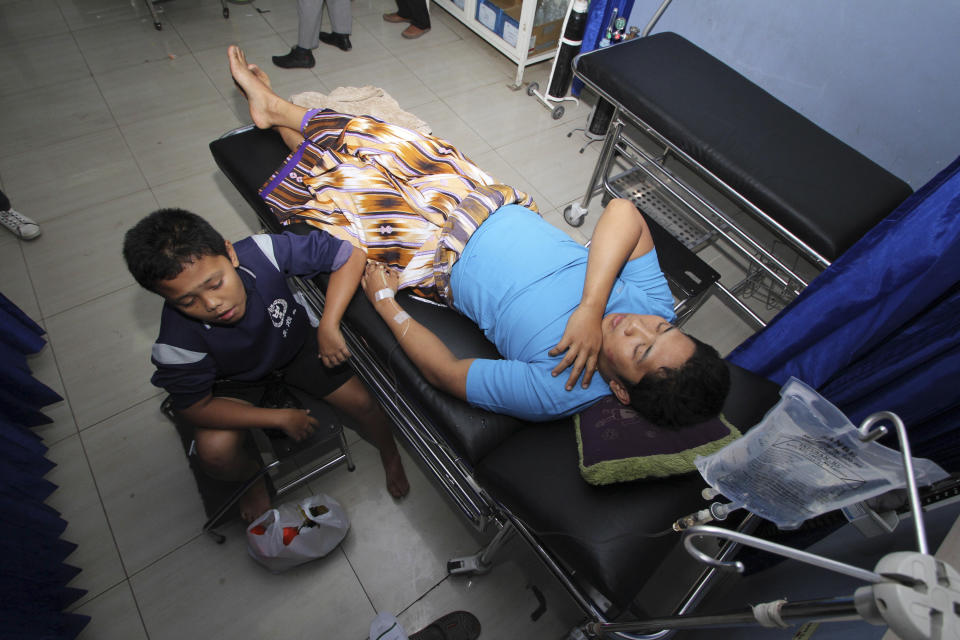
(692, 202)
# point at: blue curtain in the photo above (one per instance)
(598, 18)
(33, 577)
(880, 328)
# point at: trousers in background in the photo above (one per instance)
(416, 11)
(311, 13)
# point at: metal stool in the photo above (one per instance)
(285, 464)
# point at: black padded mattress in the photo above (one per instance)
(824, 191)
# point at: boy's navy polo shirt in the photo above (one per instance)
(191, 355)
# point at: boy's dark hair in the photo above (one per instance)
(159, 246)
(686, 395)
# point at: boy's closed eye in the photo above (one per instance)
(188, 300)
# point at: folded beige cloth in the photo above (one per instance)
(362, 101)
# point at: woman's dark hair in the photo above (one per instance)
(689, 394)
(158, 247)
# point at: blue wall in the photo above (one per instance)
(881, 75)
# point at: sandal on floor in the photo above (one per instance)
(459, 625)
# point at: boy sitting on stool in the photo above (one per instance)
(230, 321)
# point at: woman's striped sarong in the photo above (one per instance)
(407, 199)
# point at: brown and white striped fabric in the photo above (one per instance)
(407, 199)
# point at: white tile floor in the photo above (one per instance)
(105, 119)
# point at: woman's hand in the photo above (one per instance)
(581, 340)
(378, 277)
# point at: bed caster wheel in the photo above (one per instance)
(219, 538)
(574, 214)
(532, 88)
(158, 26)
(226, 12)
(557, 112)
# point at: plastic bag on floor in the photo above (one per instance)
(297, 532)
(806, 458)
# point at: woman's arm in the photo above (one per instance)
(435, 361)
(621, 235)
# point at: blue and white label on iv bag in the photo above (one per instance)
(806, 458)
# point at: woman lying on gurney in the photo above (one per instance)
(546, 302)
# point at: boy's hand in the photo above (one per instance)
(582, 340)
(333, 348)
(296, 423)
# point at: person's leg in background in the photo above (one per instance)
(341, 23)
(416, 12)
(15, 222)
(310, 13)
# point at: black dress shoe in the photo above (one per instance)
(298, 58)
(339, 40)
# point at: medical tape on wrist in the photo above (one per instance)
(383, 294)
(401, 318)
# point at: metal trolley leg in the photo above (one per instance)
(575, 213)
(482, 561)
(153, 14)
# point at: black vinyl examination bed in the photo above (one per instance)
(504, 475)
(737, 163)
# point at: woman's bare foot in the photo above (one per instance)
(260, 74)
(255, 501)
(255, 86)
(397, 484)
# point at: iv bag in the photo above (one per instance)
(806, 458)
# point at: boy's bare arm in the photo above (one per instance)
(224, 413)
(340, 289)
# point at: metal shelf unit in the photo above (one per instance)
(519, 53)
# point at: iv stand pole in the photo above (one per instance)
(902, 590)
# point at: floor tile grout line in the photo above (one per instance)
(49, 341)
(103, 506)
(346, 557)
(156, 394)
(66, 393)
(424, 595)
(97, 297)
(78, 604)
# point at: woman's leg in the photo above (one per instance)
(292, 137)
(266, 108)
